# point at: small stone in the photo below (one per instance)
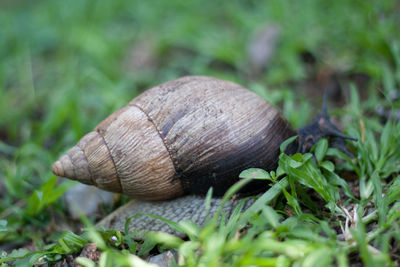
(164, 259)
(142, 55)
(262, 47)
(86, 200)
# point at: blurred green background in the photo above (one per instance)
(66, 65)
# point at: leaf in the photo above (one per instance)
(190, 228)
(279, 171)
(3, 226)
(34, 203)
(385, 138)
(354, 100)
(309, 175)
(73, 239)
(85, 262)
(255, 173)
(295, 163)
(234, 218)
(136, 261)
(336, 180)
(393, 193)
(147, 245)
(319, 257)
(287, 142)
(231, 191)
(16, 254)
(265, 199)
(46, 195)
(207, 202)
(328, 165)
(394, 213)
(292, 201)
(166, 239)
(271, 216)
(96, 237)
(320, 149)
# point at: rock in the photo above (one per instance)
(261, 47)
(84, 199)
(141, 55)
(164, 259)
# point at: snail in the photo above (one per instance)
(183, 137)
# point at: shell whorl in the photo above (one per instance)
(180, 137)
(124, 155)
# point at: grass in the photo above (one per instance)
(66, 65)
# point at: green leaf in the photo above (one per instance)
(393, 193)
(297, 157)
(190, 228)
(45, 196)
(279, 171)
(328, 165)
(73, 239)
(166, 239)
(271, 216)
(234, 222)
(34, 203)
(95, 237)
(255, 173)
(265, 199)
(3, 226)
(320, 149)
(308, 174)
(287, 142)
(394, 214)
(319, 257)
(207, 201)
(354, 100)
(16, 254)
(336, 180)
(292, 201)
(147, 245)
(85, 262)
(231, 191)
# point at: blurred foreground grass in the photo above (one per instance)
(65, 65)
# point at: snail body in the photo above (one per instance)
(181, 137)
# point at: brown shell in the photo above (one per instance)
(180, 137)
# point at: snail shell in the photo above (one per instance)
(181, 137)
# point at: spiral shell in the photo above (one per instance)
(180, 137)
